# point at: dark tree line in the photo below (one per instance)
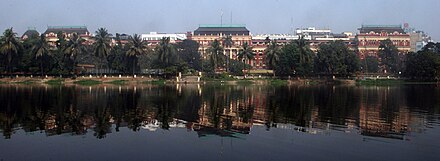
(36, 55)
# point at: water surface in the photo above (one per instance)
(219, 122)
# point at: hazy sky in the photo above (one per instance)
(260, 16)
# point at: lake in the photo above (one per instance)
(219, 122)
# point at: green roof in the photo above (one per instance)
(222, 25)
(383, 26)
(65, 27)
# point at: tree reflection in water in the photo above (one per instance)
(216, 109)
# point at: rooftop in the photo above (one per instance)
(67, 29)
(381, 28)
(226, 29)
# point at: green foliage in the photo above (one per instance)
(336, 59)
(235, 67)
(389, 56)
(87, 82)
(277, 82)
(216, 57)
(295, 60)
(423, 65)
(273, 52)
(26, 82)
(155, 82)
(370, 64)
(55, 82)
(136, 47)
(117, 82)
(380, 82)
(244, 82)
(10, 47)
(245, 54)
(187, 50)
(166, 52)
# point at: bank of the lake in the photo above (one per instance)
(127, 80)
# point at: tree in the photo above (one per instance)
(423, 65)
(336, 59)
(73, 48)
(389, 56)
(166, 51)
(433, 47)
(102, 46)
(245, 53)
(304, 51)
(136, 47)
(227, 43)
(292, 62)
(10, 47)
(188, 51)
(272, 52)
(216, 56)
(370, 64)
(41, 49)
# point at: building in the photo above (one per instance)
(418, 39)
(313, 32)
(31, 32)
(153, 38)
(259, 44)
(370, 36)
(321, 36)
(52, 33)
(119, 38)
(206, 34)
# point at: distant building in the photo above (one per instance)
(153, 38)
(206, 34)
(370, 36)
(123, 39)
(31, 32)
(259, 44)
(313, 32)
(322, 36)
(52, 31)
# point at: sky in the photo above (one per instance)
(179, 16)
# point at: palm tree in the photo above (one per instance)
(102, 45)
(136, 47)
(41, 49)
(216, 54)
(304, 55)
(273, 52)
(245, 53)
(74, 46)
(165, 51)
(227, 42)
(10, 47)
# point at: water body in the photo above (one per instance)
(220, 122)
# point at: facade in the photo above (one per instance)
(206, 34)
(52, 31)
(369, 38)
(153, 38)
(320, 36)
(418, 40)
(259, 44)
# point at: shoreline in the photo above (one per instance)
(156, 81)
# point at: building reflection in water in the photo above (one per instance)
(220, 110)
